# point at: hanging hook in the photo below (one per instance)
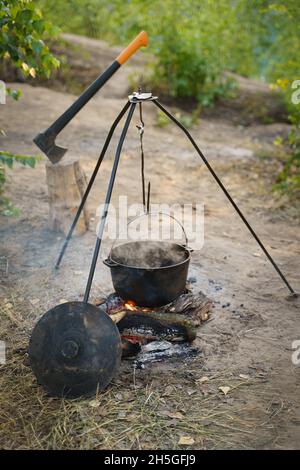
(148, 198)
(141, 128)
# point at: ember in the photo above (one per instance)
(130, 305)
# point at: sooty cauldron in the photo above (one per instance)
(150, 273)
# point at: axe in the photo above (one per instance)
(46, 140)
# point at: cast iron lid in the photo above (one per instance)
(75, 349)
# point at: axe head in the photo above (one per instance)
(46, 142)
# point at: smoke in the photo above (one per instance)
(149, 254)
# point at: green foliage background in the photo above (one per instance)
(194, 40)
(194, 43)
(22, 30)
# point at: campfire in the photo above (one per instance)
(155, 334)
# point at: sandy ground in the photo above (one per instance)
(253, 324)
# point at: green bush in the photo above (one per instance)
(288, 179)
(283, 68)
(22, 30)
(193, 42)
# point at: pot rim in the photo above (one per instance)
(186, 249)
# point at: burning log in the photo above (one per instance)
(166, 330)
(117, 316)
(196, 307)
(152, 325)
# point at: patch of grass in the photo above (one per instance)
(138, 411)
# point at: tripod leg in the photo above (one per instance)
(90, 184)
(107, 201)
(228, 196)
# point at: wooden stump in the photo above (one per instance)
(66, 185)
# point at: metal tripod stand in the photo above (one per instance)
(130, 107)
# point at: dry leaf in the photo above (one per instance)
(224, 390)
(175, 415)
(147, 446)
(63, 301)
(244, 376)
(94, 403)
(186, 441)
(202, 380)
(131, 418)
(168, 391)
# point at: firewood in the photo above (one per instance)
(196, 307)
(157, 325)
(166, 318)
(116, 317)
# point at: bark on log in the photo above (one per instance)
(197, 307)
(66, 185)
(156, 325)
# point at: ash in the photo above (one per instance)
(158, 351)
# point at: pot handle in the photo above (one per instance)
(109, 262)
(146, 214)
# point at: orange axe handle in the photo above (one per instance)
(140, 41)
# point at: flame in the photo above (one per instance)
(130, 305)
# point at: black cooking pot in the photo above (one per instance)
(151, 273)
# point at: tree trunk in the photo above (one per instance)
(66, 185)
